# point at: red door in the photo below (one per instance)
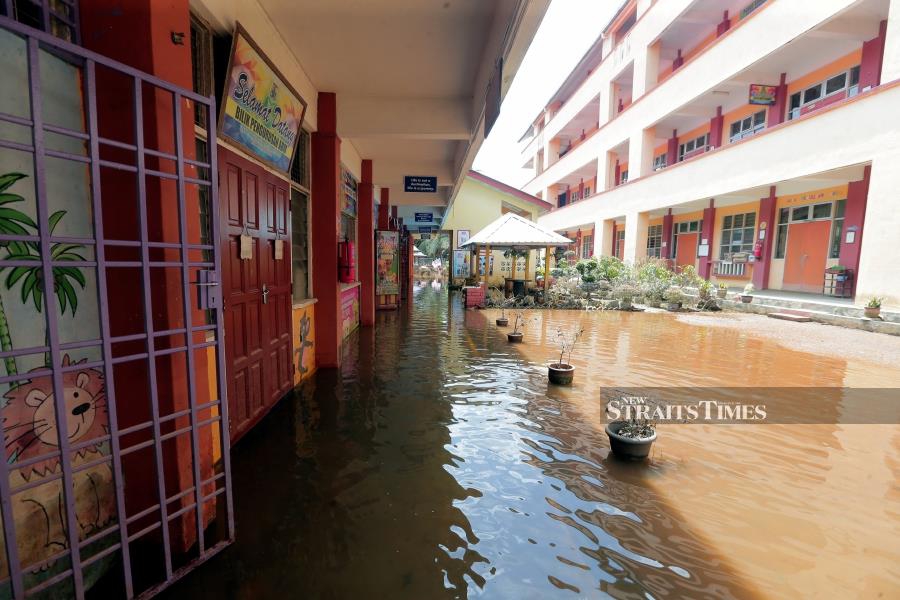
(256, 290)
(807, 253)
(686, 252)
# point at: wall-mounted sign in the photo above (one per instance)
(426, 229)
(420, 184)
(387, 253)
(763, 94)
(261, 112)
(423, 217)
(462, 236)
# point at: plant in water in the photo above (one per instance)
(520, 321)
(875, 302)
(637, 428)
(705, 289)
(674, 295)
(566, 343)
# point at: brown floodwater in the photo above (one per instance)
(439, 463)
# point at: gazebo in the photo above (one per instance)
(512, 232)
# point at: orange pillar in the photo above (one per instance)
(366, 243)
(384, 221)
(326, 165)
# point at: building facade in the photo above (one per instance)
(751, 139)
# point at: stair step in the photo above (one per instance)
(796, 317)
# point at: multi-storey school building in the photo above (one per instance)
(754, 139)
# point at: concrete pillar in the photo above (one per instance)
(672, 149)
(854, 219)
(604, 232)
(716, 126)
(778, 111)
(765, 235)
(706, 237)
(551, 152)
(384, 209)
(365, 243)
(325, 226)
(646, 70)
(607, 105)
(551, 192)
(668, 226)
(636, 224)
(640, 153)
(606, 178)
(890, 66)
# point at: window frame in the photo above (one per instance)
(851, 86)
(730, 227)
(695, 143)
(747, 127)
(587, 246)
(659, 162)
(654, 241)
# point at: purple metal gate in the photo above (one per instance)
(138, 490)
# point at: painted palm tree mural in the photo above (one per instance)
(30, 278)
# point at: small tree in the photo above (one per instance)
(566, 343)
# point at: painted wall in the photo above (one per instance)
(303, 321)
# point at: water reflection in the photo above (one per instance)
(440, 464)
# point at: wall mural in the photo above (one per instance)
(304, 342)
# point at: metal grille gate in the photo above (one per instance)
(158, 378)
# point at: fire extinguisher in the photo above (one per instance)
(757, 249)
(346, 262)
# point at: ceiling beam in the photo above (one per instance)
(398, 118)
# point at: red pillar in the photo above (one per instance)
(778, 110)
(365, 240)
(706, 237)
(872, 58)
(384, 221)
(672, 149)
(615, 241)
(326, 165)
(767, 216)
(668, 222)
(618, 173)
(679, 60)
(395, 221)
(854, 216)
(716, 124)
(724, 25)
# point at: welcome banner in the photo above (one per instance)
(261, 112)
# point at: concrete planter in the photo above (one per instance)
(502, 322)
(746, 299)
(721, 294)
(625, 447)
(515, 338)
(560, 373)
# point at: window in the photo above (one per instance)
(561, 200)
(61, 20)
(587, 246)
(300, 165)
(781, 236)
(800, 213)
(837, 229)
(691, 146)
(587, 191)
(620, 243)
(574, 194)
(300, 244)
(811, 212)
(623, 177)
(822, 211)
(737, 234)
(659, 162)
(201, 65)
(836, 84)
(654, 241)
(747, 127)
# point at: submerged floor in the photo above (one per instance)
(439, 464)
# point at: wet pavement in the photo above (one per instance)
(440, 464)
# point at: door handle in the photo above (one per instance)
(265, 294)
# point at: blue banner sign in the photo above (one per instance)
(424, 217)
(419, 183)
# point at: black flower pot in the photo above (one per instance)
(560, 373)
(746, 299)
(502, 322)
(515, 337)
(626, 447)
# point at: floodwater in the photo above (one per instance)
(440, 464)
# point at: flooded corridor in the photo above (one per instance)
(440, 464)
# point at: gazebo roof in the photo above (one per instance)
(513, 231)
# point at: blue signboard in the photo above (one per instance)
(423, 217)
(419, 183)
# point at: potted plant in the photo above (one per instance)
(625, 293)
(674, 298)
(516, 334)
(562, 371)
(632, 438)
(705, 289)
(873, 308)
(722, 291)
(502, 320)
(747, 296)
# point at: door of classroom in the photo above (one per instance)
(686, 252)
(807, 252)
(256, 290)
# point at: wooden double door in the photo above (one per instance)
(256, 290)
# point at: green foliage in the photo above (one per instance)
(875, 302)
(688, 277)
(434, 247)
(705, 289)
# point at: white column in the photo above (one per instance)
(551, 152)
(640, 153)
(607, 105)
(636, 224)
(606, 172)
(890, 69)
(877, 274)
(603, 235)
